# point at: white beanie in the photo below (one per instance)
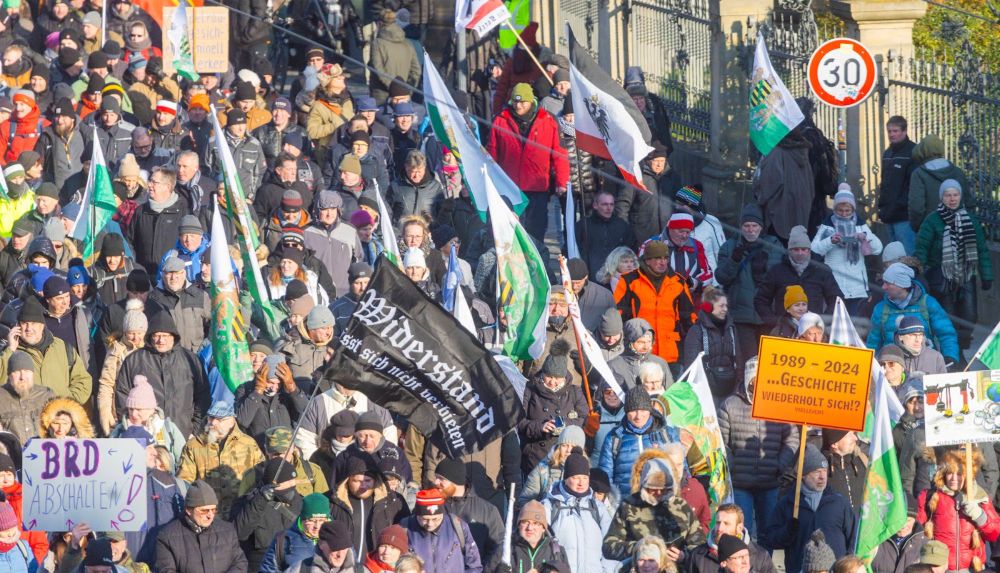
(893, 252)
(809, 320)
(414, 258)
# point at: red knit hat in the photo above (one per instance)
(8, 519)
(429, 502)
(395, 536)
(681, 221)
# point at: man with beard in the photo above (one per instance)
(359, 274)
(21, 400)
(12, 257)
(271, 507)
(482, 516)
(58, 365)
(147, 155)
(220, 455)
(707, 558)
(181, 544)
(366, 504)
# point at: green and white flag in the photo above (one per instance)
(773, 111)
(693, 409)
(97, 205)
(523, 283)
(389, 245)
(180, 42)
(236, 205)
(453, 132)
(883, 507)
(229, 345)
(989, 351)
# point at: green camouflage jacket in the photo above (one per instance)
(636, 519)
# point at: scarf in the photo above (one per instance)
(566, 128)
(452, 177)
(125, 212)
(5, 547)
(811, 496)
(848, 231)
(159, 206)
(799, 267)
(524, 121)
(958, 252)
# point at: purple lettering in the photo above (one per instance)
(90, 458)
(72, 470)
(51, 460)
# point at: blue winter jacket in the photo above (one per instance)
(833, 516)
(887, 314)
(623, 445)
(295, 547)
(19, 559)
(164, 503)
(192, 259)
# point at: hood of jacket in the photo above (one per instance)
(941, 169)
(76, 413)
(930, 147)
(392, 33)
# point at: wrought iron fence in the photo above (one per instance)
(672, 42)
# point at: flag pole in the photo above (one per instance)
(579, 348)
(982, 347)
(524, 45)
(798, 477)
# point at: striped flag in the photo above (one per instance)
(607, 122)
(238, 211)
(453, 132)
(229, 344)
(773, 111)
(97, 205)
(480, 15)
(524, 284)
(389, 245)
(180, 43)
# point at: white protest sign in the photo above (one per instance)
(100, 482)
(962, 407)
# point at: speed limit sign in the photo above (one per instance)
(842, 72)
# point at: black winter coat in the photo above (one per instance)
(244, 30)
(483, 519)
(892, 558)
(705, 559)
(540, 406)
(894, 193)
(409, 198)
(152, 234)
(215, 550)
(759, 452)
(178, 381)
(648, 213)
(597, 237)
(11, 261)
(258, 518)
(461, 215)
(817, 281)
(255, 413)
(718, 342)
(388, 508)
(847, 477)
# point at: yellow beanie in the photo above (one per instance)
(794, 294)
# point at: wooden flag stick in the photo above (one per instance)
(527, 49)
(798, 477)
(969, 478)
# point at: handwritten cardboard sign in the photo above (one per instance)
(962, 407)
(100, 482)
(208, 31)
(821, 385)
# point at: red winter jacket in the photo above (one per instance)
(37, 540)
(529, 164)
(19, 135)
(944, 522)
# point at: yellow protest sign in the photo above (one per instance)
(822, 385)
(208, 30)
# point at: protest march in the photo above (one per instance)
(288, 287)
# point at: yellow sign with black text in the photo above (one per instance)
(823, 385)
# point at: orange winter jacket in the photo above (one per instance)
(669, 310)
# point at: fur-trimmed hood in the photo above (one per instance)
(640, 463)
(81, 421)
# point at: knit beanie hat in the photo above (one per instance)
(910, 324)
(99, 554)
(813, 460)
(656, 474)
(899, 275)
(893, 252)
(334, 536)
(751, 213)
(572, 435)
(139, 434)
(414, 257)
(7, 464)
(319, 317)
(681, 221)
(689, 195)
(350, 164)
(135, 320)
(429, 502)
(315, 505)
(32, 311)
(945, 185)
(141, 395)
(8, 520)
(522, 92)
(730, 545)
(394, 536)
(556, 365)
(576, 465)
(794, 294)
(638, 399)
(844, 195)
(452, 470)
(832, 436)
(611, 322)
(599, 481)
(817, 555)
(798, 238)
(533, 511)
(891, 353)
(369, 421)
(20, 360)
(810, 320)
(200, 494)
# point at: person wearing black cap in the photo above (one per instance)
(332, 239)
(58, 365)
(182, 545)
(742, 263)
(446, 240)
(175, 373)
(904, 547)
(558, 94)
(354, 138)
(245, 99)
(848, 465)
(576, 518)
(358, 274)
(270, 507)
(68, 319)
(334, 553)
(551, 404)
(482, 516)
(370, 445)
(271, 134)
(648, 213)
(283, 177)
(593, 299)
(362, 500)
(298, 146)
(247, 153)
(820, 508)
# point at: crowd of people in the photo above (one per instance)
(290, 474)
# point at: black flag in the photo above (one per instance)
(409, 355)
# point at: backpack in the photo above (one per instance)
(558, 507)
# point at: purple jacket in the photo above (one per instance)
(443, 551)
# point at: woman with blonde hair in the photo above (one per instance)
(290, 267)
(650, 556)
(410, 563)
(620, 261)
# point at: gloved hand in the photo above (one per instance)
(285, 377)
(986, 285)
(972, 509)
(739, 252)
(260, 380)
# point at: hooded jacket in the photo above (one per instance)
(153, 233)
(535, 165)
(624, 444)
(57, 366)
(669, 309)
(81, 423)
(784, 186)
(833, 515)
(442, 551)
(21, 134)
(852, 278)
(579, 523)
(295, 548)
(758, 451)
(741, 269)
(891, 557)
(926, 180)
(636, 518)
(626, 365)
(191, 310)
(393, 56)
(886, 316)
(62, 158)
(11, 260)
(248, 156)
(38, 540)
(540, 406)
(893, 197)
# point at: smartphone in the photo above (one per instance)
(676, 543)
(272, 361)
(558, 421)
